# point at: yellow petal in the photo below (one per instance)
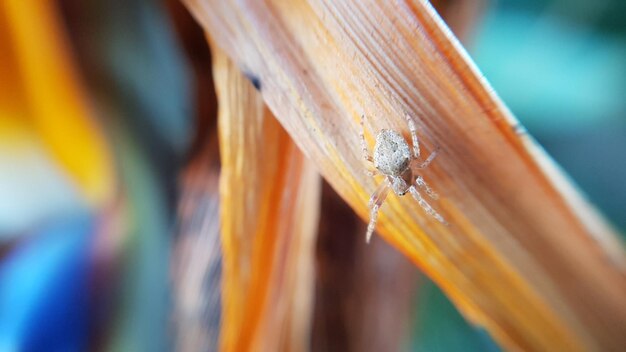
(40, 92)
(522, 255)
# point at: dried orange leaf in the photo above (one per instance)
(270, 205)
(523, 255)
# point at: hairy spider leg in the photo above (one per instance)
(413, 129)
(420, 182)
(424, 164)
(364, 150)
(376, 200)
(424, 204)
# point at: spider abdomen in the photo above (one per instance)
(391, 153)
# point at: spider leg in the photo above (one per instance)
(424, 204)
(419, 181)
(416, 144)
(376, 200)
(426, 162)
(364, 150)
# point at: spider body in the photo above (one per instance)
(391, 153)
(393, 159)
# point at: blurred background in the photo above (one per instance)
(109, 233)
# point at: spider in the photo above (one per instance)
(393, 159)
